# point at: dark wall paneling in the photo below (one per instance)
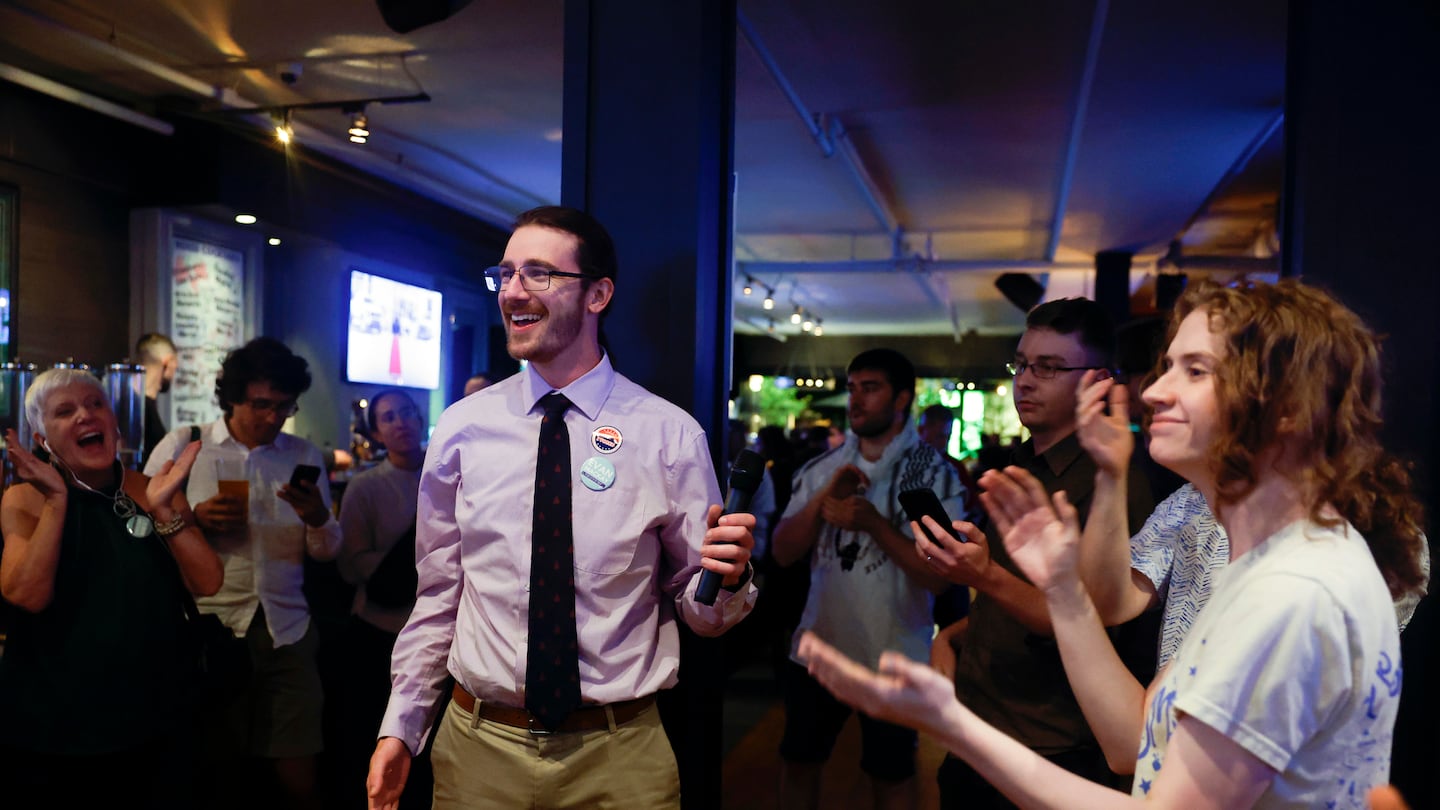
(76, 173)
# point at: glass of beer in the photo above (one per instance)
(232, 480)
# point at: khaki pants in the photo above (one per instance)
(480, 764)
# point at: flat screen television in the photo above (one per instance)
(394, 333)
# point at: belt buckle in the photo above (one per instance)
(530, 725)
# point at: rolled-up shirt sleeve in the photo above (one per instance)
(693, 488)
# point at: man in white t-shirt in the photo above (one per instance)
(869, 589)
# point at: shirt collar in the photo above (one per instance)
(1058, 458)
(220, 436)
(586, 394)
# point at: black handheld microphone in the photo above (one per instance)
(745, 475)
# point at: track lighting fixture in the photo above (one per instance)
(359, 128)
(284, 133)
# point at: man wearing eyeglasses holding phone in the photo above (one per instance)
(1003, 655)
(260, 502)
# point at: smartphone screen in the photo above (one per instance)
(920, 502)
(304, 472)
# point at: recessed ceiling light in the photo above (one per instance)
(273, 241)
(245, 219)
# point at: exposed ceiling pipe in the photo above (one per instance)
(440, 188)
(811, 121)
(1077, 126)
(70, 95)
(1270, 130)
(828, 133)
(761, 328)
(890, 266)
(831, 136)
(1246, 265)
(869, 189)
(165, 73)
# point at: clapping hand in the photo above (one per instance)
(39, 474)
(172, 475)
(1042, 533)
(1106, 437)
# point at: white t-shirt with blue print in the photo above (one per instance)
(1297, 660)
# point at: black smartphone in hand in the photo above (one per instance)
(920, 502)
(305, 472)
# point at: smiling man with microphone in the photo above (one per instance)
(566, 516)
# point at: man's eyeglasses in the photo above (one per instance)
(283, 408)
(1043, 371)
(533, 278)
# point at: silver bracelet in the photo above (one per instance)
(171, 527)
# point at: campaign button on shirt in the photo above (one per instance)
(607, 439)
(597, 473)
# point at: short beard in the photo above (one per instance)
(872, 430)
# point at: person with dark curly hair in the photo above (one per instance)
(263, 520)
(1285, 690)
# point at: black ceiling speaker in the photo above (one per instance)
(1020, 289)
(1168, 287)
(404, 16)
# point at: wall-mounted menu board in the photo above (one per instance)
(207, 319)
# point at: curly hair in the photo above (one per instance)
(263, 359)
(1300, 364)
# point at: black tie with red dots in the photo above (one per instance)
(552, 664)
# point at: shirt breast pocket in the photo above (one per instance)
(609, 526)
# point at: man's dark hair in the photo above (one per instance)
(370, 412)
(1081, 317)
(938, 411)
(597, 250)
(896, 367)
(263, 359)
(153, 346)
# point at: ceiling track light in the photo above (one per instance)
(359, 131)
(797, 314)
(769, 302)
(749, 285)
(284, 133)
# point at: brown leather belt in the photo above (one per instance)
(585, 718)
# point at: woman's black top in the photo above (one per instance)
(102, 668)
